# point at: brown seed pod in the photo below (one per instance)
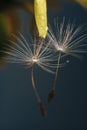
(42, 109)
(51, 95)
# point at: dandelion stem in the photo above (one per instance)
(56, 74)
(33, 84)
(52, 93)
(41, 105)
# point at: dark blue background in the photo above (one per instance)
(68, 111)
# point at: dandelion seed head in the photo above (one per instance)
(67, 38)
(35, 59)
(61, 49)
(31, 52)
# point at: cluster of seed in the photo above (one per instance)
(47, 53)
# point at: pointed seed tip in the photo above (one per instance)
(42, 109)
(51, 95)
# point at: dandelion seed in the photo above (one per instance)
(29, 54)
(68, 40)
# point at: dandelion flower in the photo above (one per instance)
(29, 54)
(68, 40)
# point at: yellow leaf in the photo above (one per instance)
(83, 3)
(40, 12)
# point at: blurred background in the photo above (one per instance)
(18, 105)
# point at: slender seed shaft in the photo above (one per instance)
(56, 74)
(33, 85)
(52, 93)
(41, 105)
